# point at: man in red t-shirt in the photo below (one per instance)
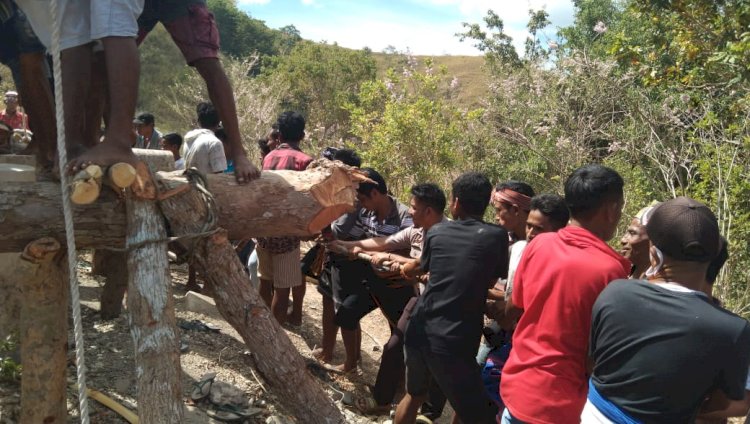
(279, 257)
(559, 278)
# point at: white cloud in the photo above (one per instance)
(249, 2)
(308, 2)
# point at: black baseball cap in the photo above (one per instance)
(684, 229)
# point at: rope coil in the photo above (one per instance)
(75, 299)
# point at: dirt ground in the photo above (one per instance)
(111, 370)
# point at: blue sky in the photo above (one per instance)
(426, 27)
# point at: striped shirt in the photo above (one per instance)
(368, 226)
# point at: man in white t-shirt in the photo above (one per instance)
(202, 149)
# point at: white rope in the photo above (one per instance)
(75, 300)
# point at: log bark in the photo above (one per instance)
(44, 334)
(151, 316)
(279, 203)
(276, 358)
(157, 160)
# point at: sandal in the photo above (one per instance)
(366, 405)
(202, 388)
(231, 413)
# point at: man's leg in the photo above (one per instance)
(221, 95)
(96, 100)
(40, 105)
(265, 275)
(298, 298)
(417, 383)
(391, 370)
(328, 339)
(351, 312)
(280, 304)
(76, 74)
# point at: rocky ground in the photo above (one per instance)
(111, 370)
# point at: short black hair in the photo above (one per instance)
(517, 186)
(173, 139)
(208, 117)
(429, 195)
(348, 157)
(589, 187)
(553, 207)
(717, 262)
(221, 134)
(291, 126)
(367, 188)
(145, 118)
(473, 190)
(263, 146)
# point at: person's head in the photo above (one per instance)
(171, 142)
(512, 200)
(144, 124)
(634, 244)
(347, 157)
(207, 115)
(263, 147)
(291, 127)
(470, 195)
(371, 196)
(594, 195)
(426, 205)
(685, 239)
(548, 213)
(11, 101)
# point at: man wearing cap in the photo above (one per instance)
(661, 347)
(11, 115)
(148, 136)
(555, 286)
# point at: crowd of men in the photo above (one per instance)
(575, 331)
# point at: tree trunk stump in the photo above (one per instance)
(44, 334)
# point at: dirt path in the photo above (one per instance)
(109, 358)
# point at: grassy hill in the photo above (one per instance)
(469, 70)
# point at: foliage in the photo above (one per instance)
(242, 36)
(497, 46)
(321, 79)
(409, 129)
(10, 370)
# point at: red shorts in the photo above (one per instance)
(195, 33)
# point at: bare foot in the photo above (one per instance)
(343, 368)
(244, 171)
(322, 356)
(293, 320)
(103, 154)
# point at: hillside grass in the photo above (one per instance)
(470, 71)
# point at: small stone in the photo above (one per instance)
(376, 348)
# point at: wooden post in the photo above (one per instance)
(44, 334)
(151, 315)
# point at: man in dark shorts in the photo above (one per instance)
(661, 346)
(443, 333)
(193, 29)
(362, 290)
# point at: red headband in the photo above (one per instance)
(506, 195)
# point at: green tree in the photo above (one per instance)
(497, 46)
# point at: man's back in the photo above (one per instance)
(658, 351)
(204, 151)
(559, 278)
(462, 257)
(286, 157)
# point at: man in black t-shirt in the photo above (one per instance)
(661, 347)
(463, 258)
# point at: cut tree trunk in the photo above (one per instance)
(44, 334)
(276, 358)
(278, 361)
(151, 316)
(278, 203)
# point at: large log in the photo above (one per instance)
(276, 358)
(278, 203)
(44, 334)
(151, 315)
